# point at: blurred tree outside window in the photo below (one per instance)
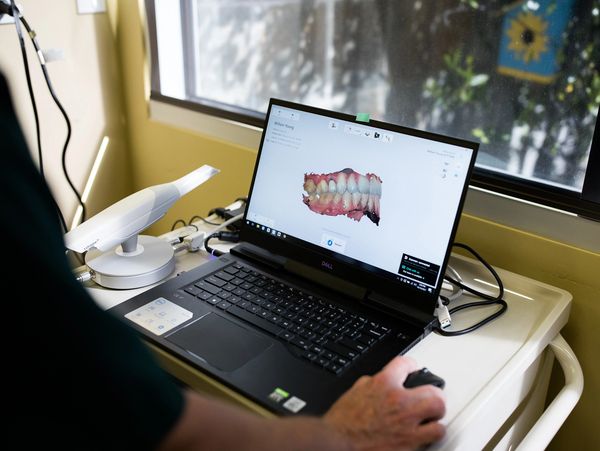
(521, 77)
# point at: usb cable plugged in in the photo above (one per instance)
(443, 315)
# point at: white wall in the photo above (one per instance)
(88, 83)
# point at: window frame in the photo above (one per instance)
(585, 204)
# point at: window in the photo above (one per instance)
(521, 77)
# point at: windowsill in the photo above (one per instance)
(540, 220)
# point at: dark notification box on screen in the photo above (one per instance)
(418, 269)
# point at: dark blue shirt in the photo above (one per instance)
(75, 377)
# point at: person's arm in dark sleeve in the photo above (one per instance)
(80, 375)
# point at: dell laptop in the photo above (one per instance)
(345, 239)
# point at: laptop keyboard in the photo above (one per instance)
(320, 332)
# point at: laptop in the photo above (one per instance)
(345, 239)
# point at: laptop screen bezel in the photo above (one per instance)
(328, 261)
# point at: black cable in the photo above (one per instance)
(32, 36)
(177, 222)
(15, 14)
(210, 250)
(489, 299)
(232, 237)
(202, 219)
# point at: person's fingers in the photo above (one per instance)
(362, 381)
(430, 432)
(431, 404)
(395, 372)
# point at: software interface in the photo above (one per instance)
(384, 198)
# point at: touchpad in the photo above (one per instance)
(220, 342)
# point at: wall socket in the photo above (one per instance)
(91, 6)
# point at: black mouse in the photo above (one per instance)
(422, 377)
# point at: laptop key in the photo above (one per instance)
(341, 350)
(265, 314)
(274, 319)
(329, 355)
(214, 300)
(216, 281)
(223, 275)
(306, 334)
(366, 339)
(205, 295)
(286, 335)
(255, 320)
(254, 309)
(316, 349)
(223, 305)
(234, 299)
(309, 355)
(374, 333)
(194, 291)
(301, 343)
(229, 287)
(322, 362)
(231, 270)
(334, 368)
(204, 285)
(341, 361)
(358, 347)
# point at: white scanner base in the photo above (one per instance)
(151, 261)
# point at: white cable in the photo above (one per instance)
(226, 223)
(456, 293)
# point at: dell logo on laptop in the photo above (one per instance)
(327, 265)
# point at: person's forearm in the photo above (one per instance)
(212, 425)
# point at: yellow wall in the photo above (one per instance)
(161, 153)
(88, 83)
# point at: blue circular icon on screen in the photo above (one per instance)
(329, 242)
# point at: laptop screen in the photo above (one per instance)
(372, 196)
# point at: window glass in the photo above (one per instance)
(521, 77)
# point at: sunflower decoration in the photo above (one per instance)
(528, 38)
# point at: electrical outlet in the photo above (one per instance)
(91, 6)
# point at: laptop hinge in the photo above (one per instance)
(416, 316)
(299, 269)
(258, 254)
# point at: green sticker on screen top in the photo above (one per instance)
(363, 117)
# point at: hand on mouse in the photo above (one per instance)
(379, 413)
(422, 377)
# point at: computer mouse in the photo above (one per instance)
(422, 377)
